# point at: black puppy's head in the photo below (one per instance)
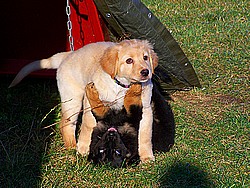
(107, 147)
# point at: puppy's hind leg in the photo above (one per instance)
(71, 97)
(68, 123)
(88, 123)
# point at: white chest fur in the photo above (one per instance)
(114, 99)
(111, 93)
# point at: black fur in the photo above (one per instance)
(119, 145)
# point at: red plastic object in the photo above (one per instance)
(86, 24)
(35, 31)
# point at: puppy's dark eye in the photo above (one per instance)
(129, 61)
(101, 150)
(145, 57)
(117, 152)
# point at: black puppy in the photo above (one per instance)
(115, 138)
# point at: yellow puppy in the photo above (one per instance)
(112, 67)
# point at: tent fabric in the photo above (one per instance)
(131, 18)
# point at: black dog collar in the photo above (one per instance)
(124, 85)
(121, 84)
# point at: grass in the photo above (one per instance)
(212, 123)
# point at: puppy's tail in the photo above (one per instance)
(50, 63)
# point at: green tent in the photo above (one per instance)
(132, 19)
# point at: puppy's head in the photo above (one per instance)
(107, 147)
(133, 60)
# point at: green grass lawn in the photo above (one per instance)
(212, 123)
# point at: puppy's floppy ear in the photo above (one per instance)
(109, 61)
(153, 60)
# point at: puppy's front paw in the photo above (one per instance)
(145, 159)
(92, 92)
(82, 149)
(146, 153)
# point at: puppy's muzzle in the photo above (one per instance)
(144, 72)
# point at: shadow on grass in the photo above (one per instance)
(23, 141)
(185, 175)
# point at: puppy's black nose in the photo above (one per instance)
(112, 136)
(145, 72)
